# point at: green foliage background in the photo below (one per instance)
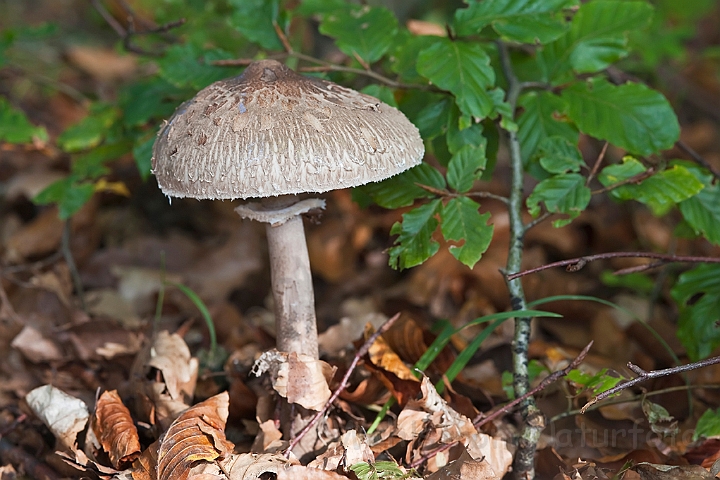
(455, 89)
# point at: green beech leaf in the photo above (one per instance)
(414, 244)
(631, 116)
(708, 425)
(188, 66)
(15, 126)
(68, 194)
(254, 20)
(524, 21)
(662, 191)
(539, 121)
(91, 165)
(91, 130)
(366, 31)
(557, 155)
(564, 193)
(620, 172)
(458, 136)
(462, 68)
(597, 38)
(402, 190)
(702, 212)
(142, 153)
(382, 93)
(697, 293)
(466, 166)
(404, 55)
(143, 101)
(461, 222)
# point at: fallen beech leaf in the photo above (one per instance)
(145, 466)
(382, 356)
(267, 435)
(650, 471)
(35, 347)
(196, 435)
(299, 378)
(171, 355)
(465, 468)
(351, 449)
(298, 472)
(441, 424)
(64, 415)
(115, 430)
(250, 466)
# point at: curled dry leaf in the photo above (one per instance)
(250, 466)
(299, 378)
(36, 347)
(298, 472)
(171, 355)
(465, 468)
(196, 435)
(64, 415)
(441, 424)
(115, 430)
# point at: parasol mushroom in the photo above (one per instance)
(273, 134)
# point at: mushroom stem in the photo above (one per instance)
(292, 288)
(291, 278)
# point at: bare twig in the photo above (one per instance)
(553, 377)
(441, 192)
(636, 179)
(575, 264)
(343, 383)
(697, 158)
(323, 66)
(643, 376)
(482, 420)
(538, 220)
(597, 164)
(127, 34)
(70, 260)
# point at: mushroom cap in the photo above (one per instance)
(273, 132)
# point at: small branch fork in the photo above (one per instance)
(343, 383)
(127, 34)
(643, 376)
(575, 264)
(481, 419)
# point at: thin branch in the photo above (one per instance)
(662, 391)
(697, 158)
(537, 221)
(69, 259)
(553, 377)
(343, 383)
(575, 264)
(324, 66)
(482, 420)
(127, 34)
(448, 194)
(636, 179)
(597, 164)
(643, 376)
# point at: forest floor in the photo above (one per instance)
(130, 329)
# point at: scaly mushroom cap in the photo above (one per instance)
(273, 132)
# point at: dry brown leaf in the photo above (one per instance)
(267, 436)
(466, 468)
(39, 237)
(115, 430)
(250, 466)
(145, 466)
(35, 347)
(649, 471)
(64, 415)
(196, 435)
(383, 357)
(170, 354)
(298, 472)
(299, 378)
(443, 425)
(105, 64)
